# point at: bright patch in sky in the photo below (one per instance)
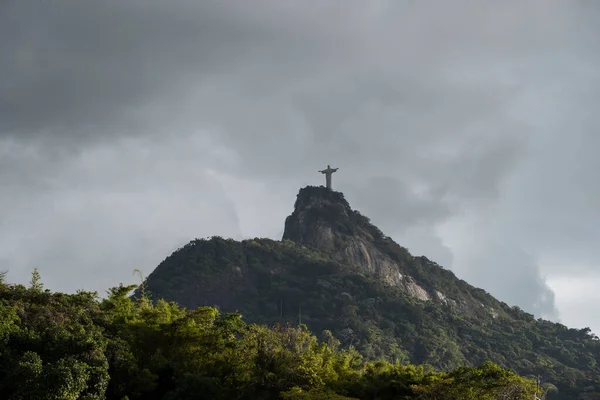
(577, 299)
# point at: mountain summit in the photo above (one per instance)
(335, 271)
(324, 221)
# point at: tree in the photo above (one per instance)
(75, 346)
(36, 281)
(486, 382)
(313, 394)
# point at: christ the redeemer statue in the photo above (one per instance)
(328, 172)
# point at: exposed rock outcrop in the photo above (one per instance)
(323, 220)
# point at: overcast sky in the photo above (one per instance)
(466, 130)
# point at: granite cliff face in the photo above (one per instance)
(335, 271)
(323, 220)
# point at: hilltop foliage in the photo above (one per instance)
(76, 346)
(281, 282)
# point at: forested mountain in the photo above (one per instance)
(387, 326)
(336, 272)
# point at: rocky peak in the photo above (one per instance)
(320, 219)
(323, 220)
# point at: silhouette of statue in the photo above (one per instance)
(328, 172)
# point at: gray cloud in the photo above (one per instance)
(127, 128)
(494, 260)
(88, 221)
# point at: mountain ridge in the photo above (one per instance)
(336, 271)
(332, 224)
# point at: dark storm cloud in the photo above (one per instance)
(91, 65)
(86, 65)
(163, 121)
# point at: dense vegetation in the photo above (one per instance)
(381, 322)
(76, 346)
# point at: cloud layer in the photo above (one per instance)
(465, 131)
